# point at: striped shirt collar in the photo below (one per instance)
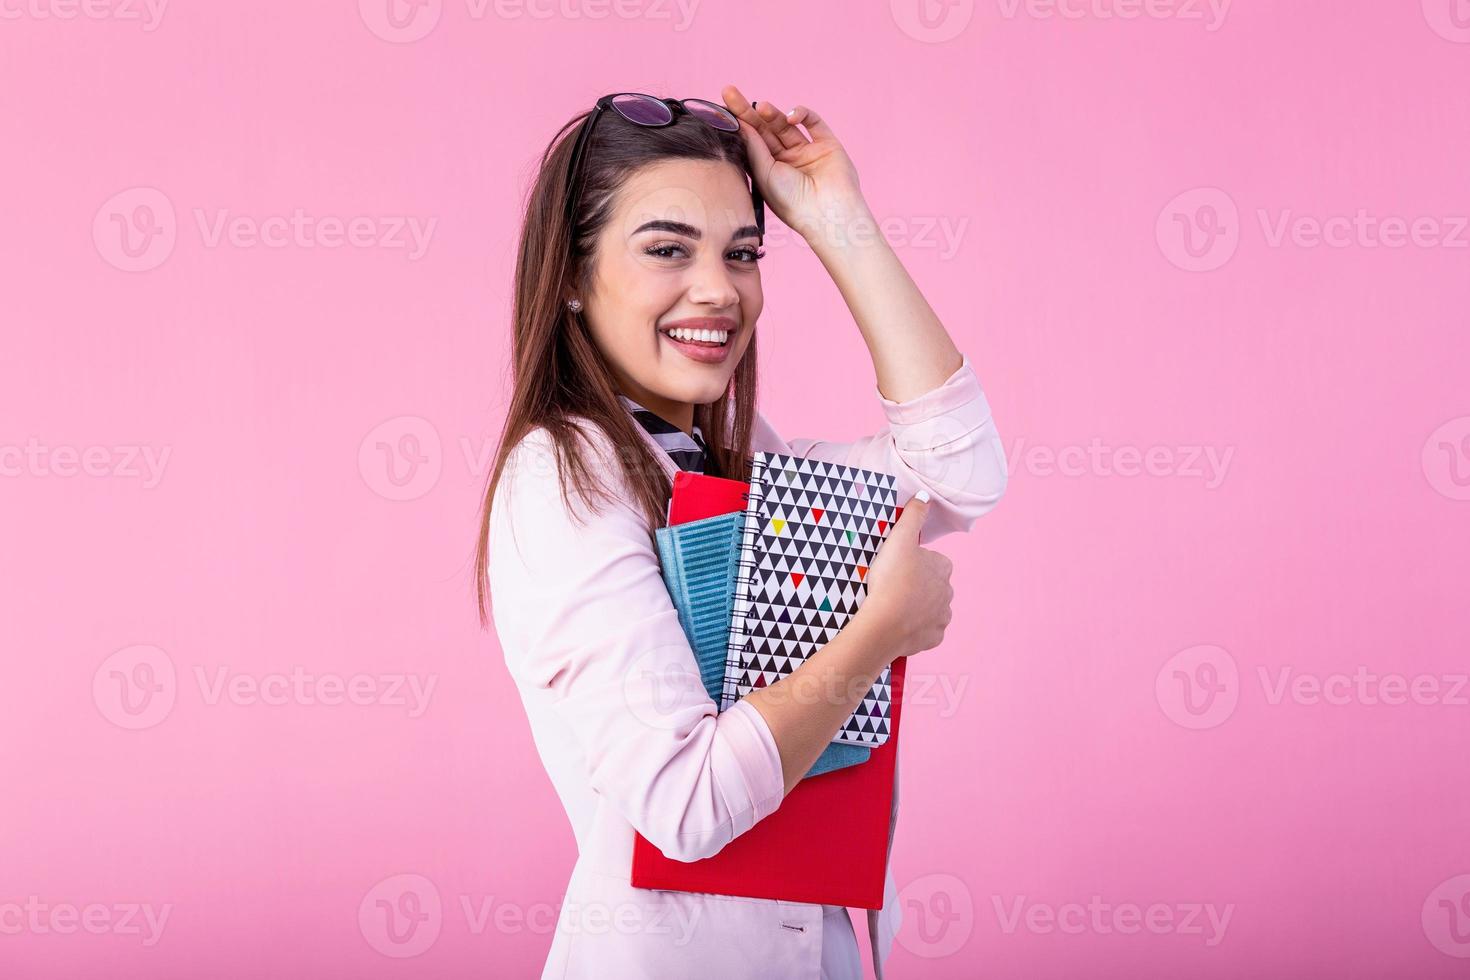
(687, 453)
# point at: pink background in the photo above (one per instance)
(1107, 718)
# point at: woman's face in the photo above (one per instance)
(680, 246)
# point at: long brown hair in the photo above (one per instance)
(559, 372)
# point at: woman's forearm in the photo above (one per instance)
(805, 708)
(911, 350)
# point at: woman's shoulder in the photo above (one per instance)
(540, 463)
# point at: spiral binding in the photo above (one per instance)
(744, 576)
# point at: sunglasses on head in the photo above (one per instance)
(651, 111)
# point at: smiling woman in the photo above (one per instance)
(637, 295)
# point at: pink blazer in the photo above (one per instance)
(584, 622)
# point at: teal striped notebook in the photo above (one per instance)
(699, 564)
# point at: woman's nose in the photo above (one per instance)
(712, 284)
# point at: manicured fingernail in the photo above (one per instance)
(923, 495)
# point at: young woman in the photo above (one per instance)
(637, 298)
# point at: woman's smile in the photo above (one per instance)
(704, 339)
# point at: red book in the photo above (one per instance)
(697, 495)
(828, 842)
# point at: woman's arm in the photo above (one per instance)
(582, 612)
(940, 437)
(811, 184)
(911, 350)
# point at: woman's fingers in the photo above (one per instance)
(747, 113)
(807, 116)
(788, 135)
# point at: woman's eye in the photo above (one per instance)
(669, 250)
(663, 247)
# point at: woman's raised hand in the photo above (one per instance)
(805, 180)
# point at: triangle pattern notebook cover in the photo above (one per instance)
(811, 531)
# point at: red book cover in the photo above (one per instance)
(697, 495)
(828, 841)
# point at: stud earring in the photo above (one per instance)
(575, 305)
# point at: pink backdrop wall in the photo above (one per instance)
(1203, 709)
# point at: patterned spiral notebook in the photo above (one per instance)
(811, 530)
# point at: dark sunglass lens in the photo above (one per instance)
(644, 110)
(717, 116)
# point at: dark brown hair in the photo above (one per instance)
(559, 372)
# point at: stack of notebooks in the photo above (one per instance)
(763, 575)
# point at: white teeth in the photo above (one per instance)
(709, 336)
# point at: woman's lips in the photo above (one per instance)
(704, 353)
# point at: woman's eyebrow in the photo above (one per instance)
(689, 231)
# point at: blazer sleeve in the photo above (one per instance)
(582, 611)
(943, 440)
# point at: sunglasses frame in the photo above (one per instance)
(676, 109)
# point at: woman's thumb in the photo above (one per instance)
(912, 519)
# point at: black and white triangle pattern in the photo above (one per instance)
(812, 529)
